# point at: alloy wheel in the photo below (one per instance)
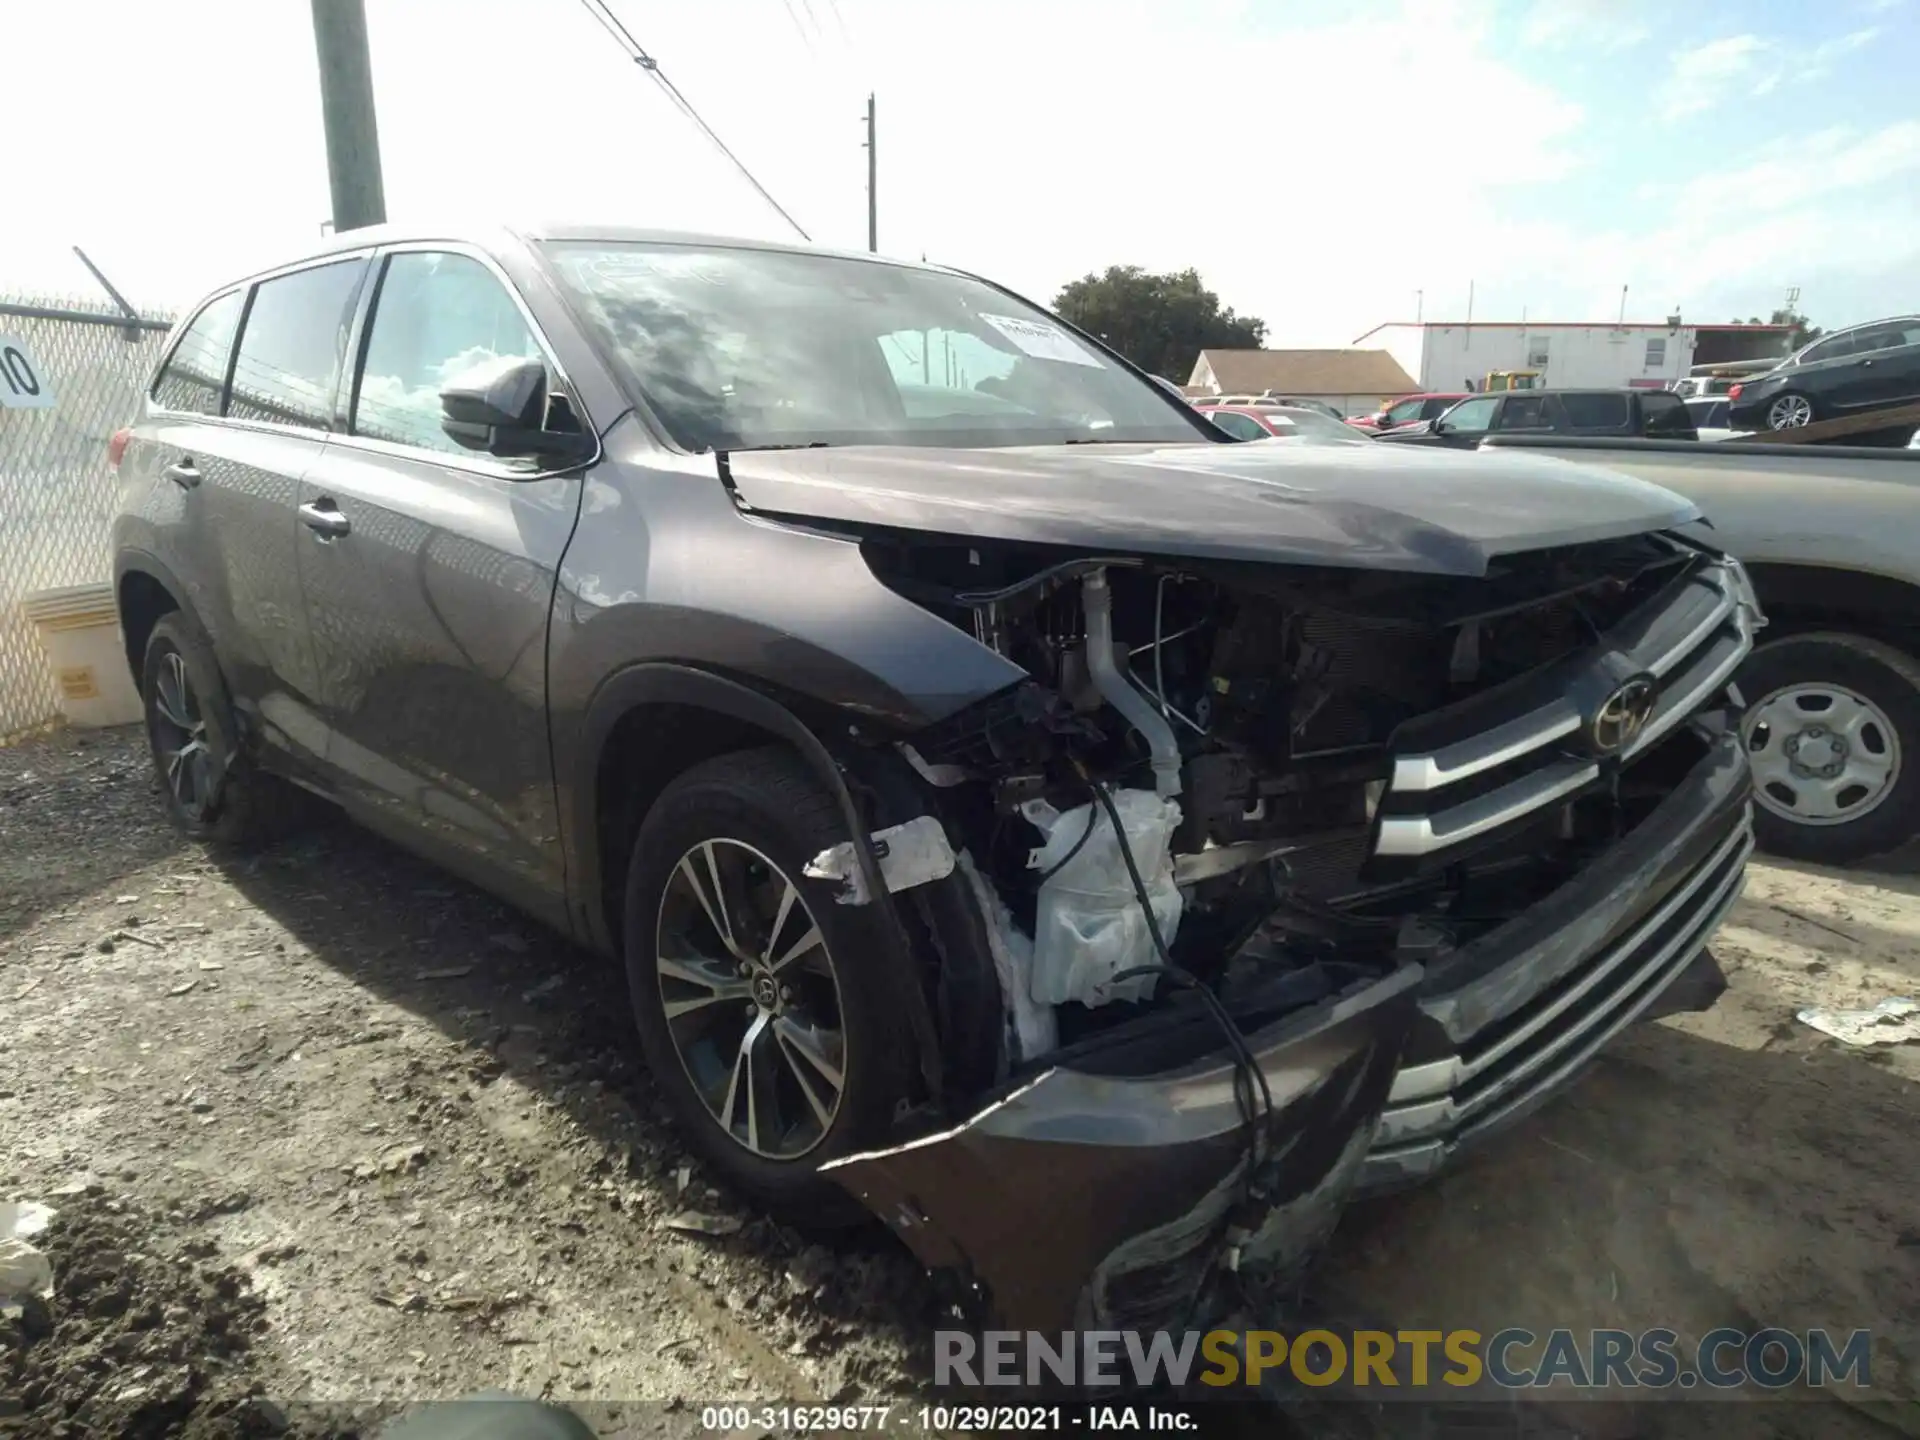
(1789, 412)
(1821, 755)
(751, 998)
(180, 736)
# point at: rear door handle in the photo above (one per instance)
(323, 517)
(183, 473)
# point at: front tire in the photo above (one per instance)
(1832, 729)
(766, 1011)
(213, 791)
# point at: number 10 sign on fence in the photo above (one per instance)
(23, 384)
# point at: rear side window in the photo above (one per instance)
(196, 371)
(1599, 412)
(1667, 415)
(437, 316)
(1526, 412)
(293, 345)
(1434, 409)
(1836, 348)
(1241, 427)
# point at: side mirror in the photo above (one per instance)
(500, 408)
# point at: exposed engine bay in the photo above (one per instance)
(1208, 742)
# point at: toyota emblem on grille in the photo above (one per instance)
(1622, 716)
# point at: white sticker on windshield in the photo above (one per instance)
(1042, 340)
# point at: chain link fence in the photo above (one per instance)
(56, 489)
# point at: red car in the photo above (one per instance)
(1409, 410)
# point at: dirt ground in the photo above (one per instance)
(328, 1127)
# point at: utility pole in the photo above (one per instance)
(873, 181)
(346, 107)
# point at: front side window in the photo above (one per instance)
(437, 315)
(1474, 414)
(294, 344)
(736, 348)
(1408, 411)
(196, 371)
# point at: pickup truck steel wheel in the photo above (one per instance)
(212, 789)
(1789, 412)
(767, 1011)
(1832, 730)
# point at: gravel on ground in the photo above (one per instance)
(330, 1132)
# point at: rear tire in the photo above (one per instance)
(1789, 410)
(1833, 731)
(775, 1052)
(212, 788)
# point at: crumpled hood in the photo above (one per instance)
(1373, 506)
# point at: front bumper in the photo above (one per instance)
(1095, 1194)
(1507, 1022)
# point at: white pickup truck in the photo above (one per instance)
(1831, 537)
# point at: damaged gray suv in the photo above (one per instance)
(1094, 845)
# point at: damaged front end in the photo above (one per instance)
(1260, 854)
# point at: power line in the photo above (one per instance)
(624, 38)
(834, 5)
(805, 38)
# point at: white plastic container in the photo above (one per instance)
(80, 628)
(1088, 925)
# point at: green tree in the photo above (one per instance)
(1803, 333)
(1159, 322)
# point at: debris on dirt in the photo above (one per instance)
(452, 972)
(394, 1160)
(24, 1268)
(185, 987)
(695, 1222)
(139, 1343)
(1893, 1021)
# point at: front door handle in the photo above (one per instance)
(323, 517)
(184, 473)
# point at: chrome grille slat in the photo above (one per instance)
(1424, 834)
(1581, 1042)
(1426, 1107)
(1608, 962)
(1689, 670)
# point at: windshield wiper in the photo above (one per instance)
(792, 445)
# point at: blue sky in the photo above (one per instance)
(1319, 163)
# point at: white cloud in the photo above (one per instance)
(1707, 74)
(1594, 26)
(1030, 142)
(1710, 74)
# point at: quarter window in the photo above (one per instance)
(196, 371)
(293, 345)
(437, 316)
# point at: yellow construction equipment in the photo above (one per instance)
(1512, 380)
